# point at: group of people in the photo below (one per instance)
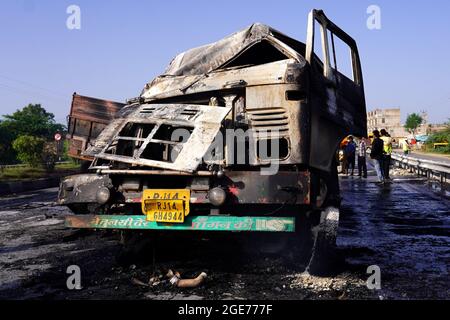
(381, 152)
(349, 156)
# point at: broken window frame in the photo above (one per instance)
(328, 26)
(145, 141)
(204, 128)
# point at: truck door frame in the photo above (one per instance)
(338, 107)
(326, 26)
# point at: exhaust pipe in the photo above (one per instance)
(176, 280)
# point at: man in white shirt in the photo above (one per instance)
(362, 153)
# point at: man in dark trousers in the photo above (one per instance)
(377, 155)
(350, 153)
(362, 152)
(387, 150)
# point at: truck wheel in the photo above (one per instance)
(323, 253)
(324, 222)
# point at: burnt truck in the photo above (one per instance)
(197, 149)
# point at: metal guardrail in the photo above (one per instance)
(423, 167)
(13, 166)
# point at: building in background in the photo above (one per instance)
(390, 119)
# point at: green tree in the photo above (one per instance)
(413, 121)
(440, 137)
(29, 149)
(7, 154)
(32, 120)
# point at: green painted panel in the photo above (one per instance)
(205, 223)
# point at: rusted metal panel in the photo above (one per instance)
(94, 109)
(88, 117)
(196, 223)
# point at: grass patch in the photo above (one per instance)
(67, 166)
(29, 173)
(441, 150)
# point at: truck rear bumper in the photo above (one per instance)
(193, 223)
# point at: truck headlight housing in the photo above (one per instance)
(103, 195)
(217, 196)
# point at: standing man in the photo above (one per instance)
(387, 150)
(350, 152)
(343, 156)
(362, 153)
(377, 155)
(405, 147)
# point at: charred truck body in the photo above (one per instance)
(238, 135)
(88, 117)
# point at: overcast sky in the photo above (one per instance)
(124, 44)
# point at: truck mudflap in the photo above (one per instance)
(193, 223)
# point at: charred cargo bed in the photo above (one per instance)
(88, 117)
(244, 130)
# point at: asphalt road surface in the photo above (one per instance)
(403, 228)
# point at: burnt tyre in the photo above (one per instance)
(323, 223)
(323, 257)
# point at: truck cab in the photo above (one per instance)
(237, 135)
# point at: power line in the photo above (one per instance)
(27, 91)
(52, 92)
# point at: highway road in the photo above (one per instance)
(403, 227)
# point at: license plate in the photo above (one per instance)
(166, 205)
